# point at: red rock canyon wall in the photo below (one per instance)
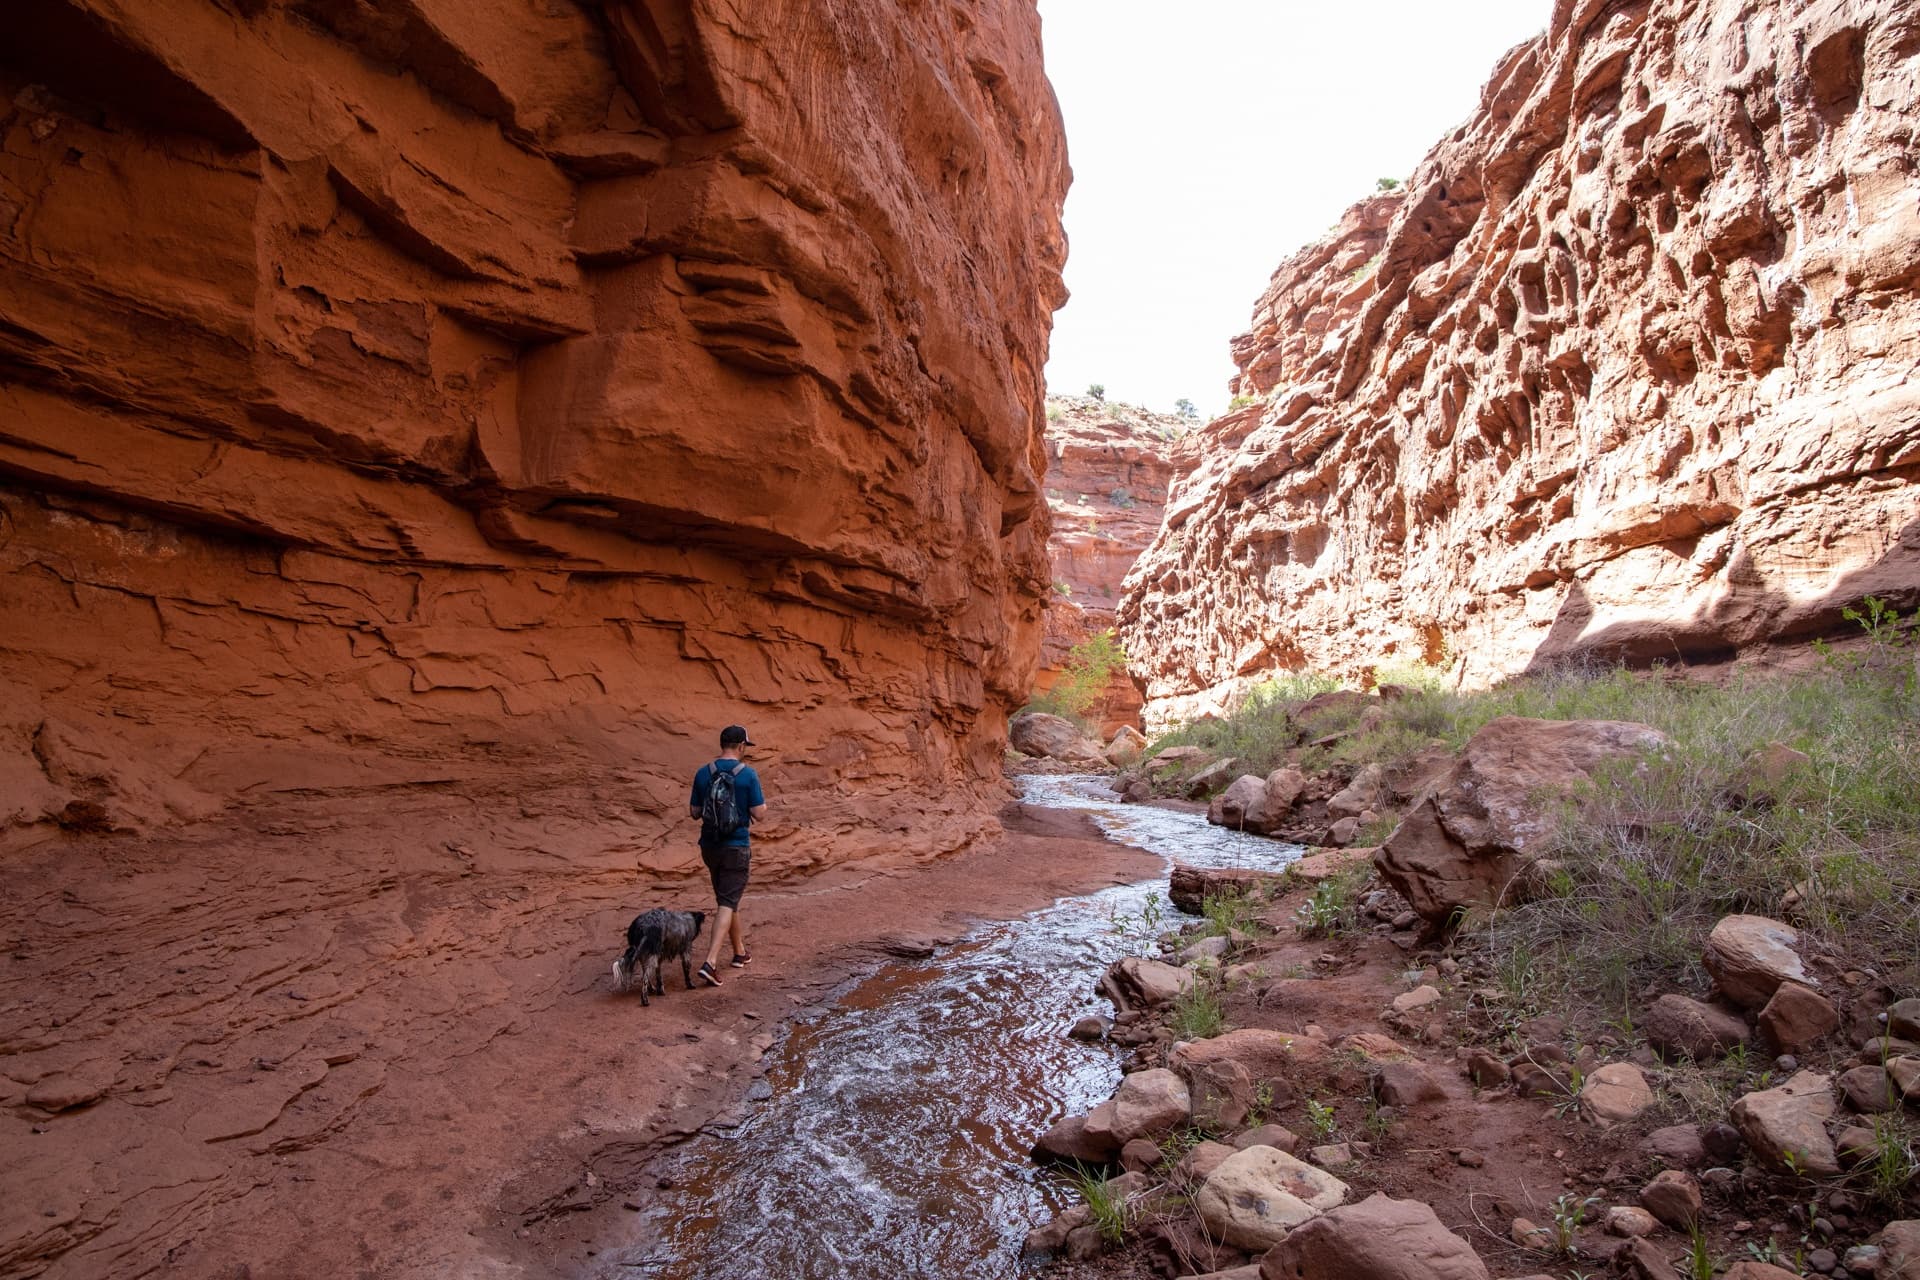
(431, 391)
(1629, 367)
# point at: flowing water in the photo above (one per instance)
(891, 1136)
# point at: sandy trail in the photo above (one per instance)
(329, 1043)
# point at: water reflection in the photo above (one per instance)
(895, 1140)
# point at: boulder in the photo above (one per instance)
(1052, 1238)
(1378, 1239)
(1903, 1019)
(1790, 1120)
(1258, 1194)
(1678, 1027)
(1676, 1146)
(1344, 832)
(1203, 1158)
(1149, 1104)
(1134, 982)
(1615, 1093)
(1217, 774)
(1229, 808)
(1052, 737)
(1673, 1197)
(1796, 1018)
(1068, 1139)
(1126, 746)
(1368, 790)
(1468, 840)
(1188, 888)
(1140, 1154)
(1421, 997)
(1284, 786)
(1750, 956)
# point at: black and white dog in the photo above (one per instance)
(653, 937)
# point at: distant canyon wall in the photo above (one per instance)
(1630, 367)
(427, 392)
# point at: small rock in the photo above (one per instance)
(1682, 1028)
(1796, 1018)
(1139, 1154)
(1469, 1159)
(1855, 1144)
(1630, 1221)
(1404, 1084)
(1750, 956)
(1615, 1093)
(1486, 1070)
(1641, 1260)
(1903, 1019)
(1905, 1074)
(1864, 1260)
(1419, 998)
(1200, 1162)
(1723, 1142)
(1147, 1105)
(1823, 1260)
(1269, 1135)
(1790, 1120)
(1868, 1091)
(1331, 1155)
(1677, 1146)
(1091, 1027)
(1405, 920)
(1674, 1198)
(1529, 1235)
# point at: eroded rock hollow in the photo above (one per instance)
(1628, 367)
(429, 392)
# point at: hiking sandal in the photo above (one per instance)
(706, 975)
(741, 960)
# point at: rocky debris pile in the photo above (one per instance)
(1243, 1149)
(1588, 384)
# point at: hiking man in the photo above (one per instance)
(727, 799)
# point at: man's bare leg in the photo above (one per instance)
(725, 922)
(736, 935)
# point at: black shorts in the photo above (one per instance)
(728, 867)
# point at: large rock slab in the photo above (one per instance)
(1256, 1195)
(1378, 1239)
(1468, 841)
(1052, 737)
(1188, 888)
(1787, 1126)
(1750, 956)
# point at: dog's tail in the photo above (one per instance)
(647, 944)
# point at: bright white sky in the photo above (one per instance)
(1212, 138)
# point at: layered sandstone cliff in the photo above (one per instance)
(425, 392)
(1107, 478)
(1631, 367)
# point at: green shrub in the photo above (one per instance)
(1090, 666)
(1196, 1012)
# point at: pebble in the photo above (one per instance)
(1822, 1260)
(1786, 1062)
(1471, 1159)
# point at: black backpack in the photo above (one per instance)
(721, 813)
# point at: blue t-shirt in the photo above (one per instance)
(746, 793)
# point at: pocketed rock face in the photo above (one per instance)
(427, 392)
(1628, 369)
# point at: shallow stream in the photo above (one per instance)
(891, 1135)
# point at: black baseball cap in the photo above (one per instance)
(735, 736)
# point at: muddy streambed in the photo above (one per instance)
(891, 1134)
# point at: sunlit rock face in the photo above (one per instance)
(1107, 474)
(498, 391)
(1627, 368)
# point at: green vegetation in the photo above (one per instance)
(1185, 408)
(1234, 911)
(1241, 402)
(1789, 795)
(1386, 184)
(1197, 1014)
(1321, 1119)
(1893, 1165)
(1109, 1206)
(1334, 905)
(1097, 391)
(1090, 665)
